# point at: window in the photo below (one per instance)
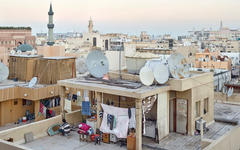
(197, 113)
(26, 102)
(206, 109)
(15, 102)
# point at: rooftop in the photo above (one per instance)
(15, 28)
(173, 141)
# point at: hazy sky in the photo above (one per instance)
(127, 16)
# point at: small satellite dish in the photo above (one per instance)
(230, 92)
(161, 73)
(12, 52)
(4, 72)
(33, 82)
(19, 52)
(33, 52)
(81, 65)
(178, 66)
(97, 64)
(146, 76)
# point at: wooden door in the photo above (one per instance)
(181, 116)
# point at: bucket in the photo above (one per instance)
(24, 119)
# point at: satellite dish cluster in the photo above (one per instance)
(96, 64)
(177, 67)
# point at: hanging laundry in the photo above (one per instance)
(122, 121)
(41, 108)
(86, 110)
(132, 121)
(68, 105)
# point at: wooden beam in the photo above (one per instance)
(99, 101)
(62, 99)
(36, 108)
(139, 124)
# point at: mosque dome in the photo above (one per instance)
(25, 47)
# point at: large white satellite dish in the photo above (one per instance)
(19, 52)
(4, 72)
(12, 52)
(178, 66)
(161, 73)
(81, 65)
(146, 76)
(33, 82)
(97, 64)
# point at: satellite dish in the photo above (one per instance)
(33, 52)
(19, 52)
(4, 72)
(146, 76)
(12, 52)
(81, 65)
(97, 64)
(161, 73)
(33, 82)
(178, 66)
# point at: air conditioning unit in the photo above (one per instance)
(197, 125)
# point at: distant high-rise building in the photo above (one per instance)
(221, 24)
(50, 26)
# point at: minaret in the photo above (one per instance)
(50, 26)
(90, 26)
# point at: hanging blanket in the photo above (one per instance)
(122, 120)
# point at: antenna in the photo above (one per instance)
(33, 82)
(146, 76)
(4, 72)
(81, 65)
(97, 63)
(178, 66)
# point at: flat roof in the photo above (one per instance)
(10, 84)
(58, 58)
(140, 93)
(70, 142)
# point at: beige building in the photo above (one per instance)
(212, 60)
(11, 37)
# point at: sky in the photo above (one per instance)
(122, 16)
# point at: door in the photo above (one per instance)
(106, 44)
(94, 41)
(172, 115)
(181, 116)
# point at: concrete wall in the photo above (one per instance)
(229, 141)
(39, 129)
(163, 114)
(220, 97)
(51, 51)
(113, 58)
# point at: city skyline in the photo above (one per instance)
(131, 17)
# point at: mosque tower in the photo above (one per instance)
(50, 26)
